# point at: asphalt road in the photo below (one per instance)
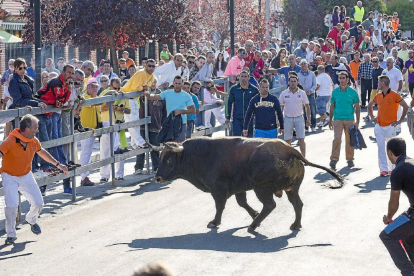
(124, 228)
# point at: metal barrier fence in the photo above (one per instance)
(76, 137)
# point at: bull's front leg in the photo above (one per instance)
(220, 198)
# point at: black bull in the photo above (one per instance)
(233, 165)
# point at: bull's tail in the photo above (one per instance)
(331, 172)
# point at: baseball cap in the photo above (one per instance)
(92, 81)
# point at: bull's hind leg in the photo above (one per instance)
(266, 197)
(293, 196)
(242, 201)
(220, 198)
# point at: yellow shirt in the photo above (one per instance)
(90, 114)
(138, 81)
(104, 114)
(85, 81)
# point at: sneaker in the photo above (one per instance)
(10, 241)
(138, 172)
(351, 164)
(332, 164)
(313, 129)
(67, 191)
(366, 118)
(384, 173)
(87, 182)
(125, 150)
(319, 125)
(35, 228)
(104, 180)
(119, 178)
(43, 190)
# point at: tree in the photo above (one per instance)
(55, 16)
(214, 21)
(304, 16)
(405, 11)
(117, 24)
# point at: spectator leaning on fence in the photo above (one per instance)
(158, 112)
(17, 152)
(166, 73)
(239, 98)
(140, 81)
(236, 64)
(178, 103)
(91, 118)
(5, 78)
(87, 68)
(105, 140)
(206, 72)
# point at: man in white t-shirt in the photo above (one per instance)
(292, 101)
(323, 90)
(396, 84)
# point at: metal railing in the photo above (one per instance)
(73, 138)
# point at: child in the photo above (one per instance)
(347, 23)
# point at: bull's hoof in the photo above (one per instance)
(279, 193)
(295, 226)
(255, 214)
(212, 225)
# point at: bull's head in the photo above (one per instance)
(169, 161)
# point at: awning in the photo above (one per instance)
(13, 26)
(9, 38)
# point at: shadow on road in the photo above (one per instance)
(219, 241)
(377, 184)
(18, 247)
(143, 188)
(323, 177)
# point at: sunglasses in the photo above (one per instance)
(77, 82)
(117, 88)
(190, 62)
(249, 45)
(21, 68)
(242, 53)
(10, 63)
(151, 66)
(104, 80)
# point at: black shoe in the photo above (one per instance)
(74, 164)
(104, 180)
(125, 150)
(119, 179)
(332, 164)
(118, 151)
(78, 126)
(351, 164)
(35, 228)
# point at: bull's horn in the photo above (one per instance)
(156, 148)
(174, 147)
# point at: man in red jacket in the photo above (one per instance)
(56, 93)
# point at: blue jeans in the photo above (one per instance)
(237, 128)
(190, 127)
(271, 133)
(321, 102)
(57, 152)
(44, 135)
(155, 155)
(181, 136)
(312, 105)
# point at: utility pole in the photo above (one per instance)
(268, 29)
(230, 8)
(38, 43)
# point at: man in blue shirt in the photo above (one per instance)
(178, 102)
(238, 101)
(192, 90)
(31, 70)
(265, 107)
(292, 67)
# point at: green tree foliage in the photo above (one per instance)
(306, 16)
(405, 11)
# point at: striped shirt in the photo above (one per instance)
(365, 71)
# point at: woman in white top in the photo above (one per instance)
(220, 66)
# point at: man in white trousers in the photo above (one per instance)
(210, 97)
(105, 149)
(17, 152)
(140, 81)
(388, 102)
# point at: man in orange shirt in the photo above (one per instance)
(354, 65)
(388, 102)
(16, 171)
(395, 22)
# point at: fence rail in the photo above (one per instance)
(76, 137)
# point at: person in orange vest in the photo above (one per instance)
(395, 22)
